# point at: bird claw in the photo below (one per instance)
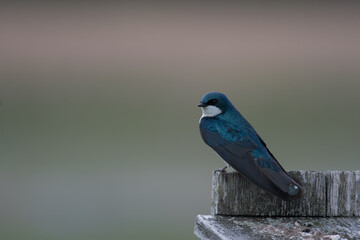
(221, 170)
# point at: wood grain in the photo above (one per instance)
(327, 193)
(279, 228)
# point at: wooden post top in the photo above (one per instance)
(325, 194)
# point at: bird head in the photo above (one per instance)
(213, 104)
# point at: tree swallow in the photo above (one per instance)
(226, 131)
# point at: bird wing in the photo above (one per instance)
(237, 149)
(276, 173)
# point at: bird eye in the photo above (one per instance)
(212, 102)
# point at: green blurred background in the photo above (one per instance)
(99, 130)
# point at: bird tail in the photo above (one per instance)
(295, 191)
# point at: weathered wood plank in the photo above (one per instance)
(281, 228)
(343, 193)
(328, 193)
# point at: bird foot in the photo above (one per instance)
(221, 170)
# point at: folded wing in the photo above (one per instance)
(238, 151)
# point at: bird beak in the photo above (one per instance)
(202, 105)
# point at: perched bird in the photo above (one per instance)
(226, 131)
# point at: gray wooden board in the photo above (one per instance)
(343, 190)
(279, 228)
(327, 193)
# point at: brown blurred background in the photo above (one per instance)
(98, 120)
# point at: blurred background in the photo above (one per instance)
(99, 130)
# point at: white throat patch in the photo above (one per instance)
(210, 111)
